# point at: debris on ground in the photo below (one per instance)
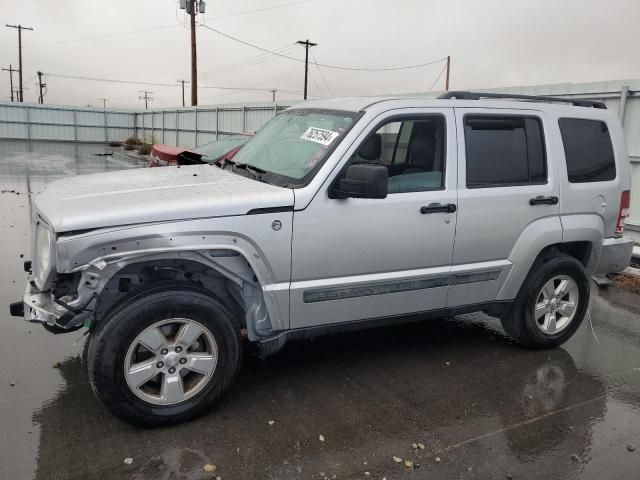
(133, 141)
(128, 461)
(397, 459)
(105, 154)
(271, 422)
(631, 448)
(421, 446)
(414, 446)
(575, 458)
(15, 192)
(437, 459)
(628, 279)
(321, 438)
(145, 149)
(209, 468)
(409, 464)
(12, 384)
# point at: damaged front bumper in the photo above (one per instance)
(44, 308)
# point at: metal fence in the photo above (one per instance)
(186, 127)
(24, 121)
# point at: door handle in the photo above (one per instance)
(438, 208)
(540, 200)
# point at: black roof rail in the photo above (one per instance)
(463, 95)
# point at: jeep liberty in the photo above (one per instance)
(339, 214)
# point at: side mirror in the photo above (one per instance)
(363, 181)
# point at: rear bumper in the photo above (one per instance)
(615, 255)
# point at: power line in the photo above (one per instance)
(437, 78)
(337, 67)
(250, 61)
(315, 60)
(153, 84)
(109, 35)
(262, 9)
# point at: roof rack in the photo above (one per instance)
(463, 95)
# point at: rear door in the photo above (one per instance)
(506, 183)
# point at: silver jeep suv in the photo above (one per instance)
(339, 214)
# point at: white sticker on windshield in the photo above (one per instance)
(319, 135)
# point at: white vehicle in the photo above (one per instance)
(338, 214)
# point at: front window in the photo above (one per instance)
(291, 147)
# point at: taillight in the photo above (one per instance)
(625, 203)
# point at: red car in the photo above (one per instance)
(223, 149)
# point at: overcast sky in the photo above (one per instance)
(492, 43)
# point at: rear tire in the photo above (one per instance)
(551, 304)
(186, 375)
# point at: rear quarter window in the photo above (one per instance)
(588, 150)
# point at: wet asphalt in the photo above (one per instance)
(340, 406)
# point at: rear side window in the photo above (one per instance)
(504, 151)
(588, 150)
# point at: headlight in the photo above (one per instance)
(42, 255)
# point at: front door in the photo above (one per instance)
(355, 259)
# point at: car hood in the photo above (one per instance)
(151, 195)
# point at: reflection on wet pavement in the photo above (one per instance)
(481, 407)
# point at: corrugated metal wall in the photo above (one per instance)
(185, 127)
(190, 126)
(26, 121)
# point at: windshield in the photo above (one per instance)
(294, 144)
(214, 150)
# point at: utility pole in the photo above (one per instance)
(446, 84)
(307, 44)
(182, 82)
(20, 28)
(146, 98)
(273, 95)
(104, 102)
(41, 86)
(10, 70)
(193, 7)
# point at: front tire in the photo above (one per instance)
(551, 304)
(164, 356)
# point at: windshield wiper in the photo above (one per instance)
(256, 172)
